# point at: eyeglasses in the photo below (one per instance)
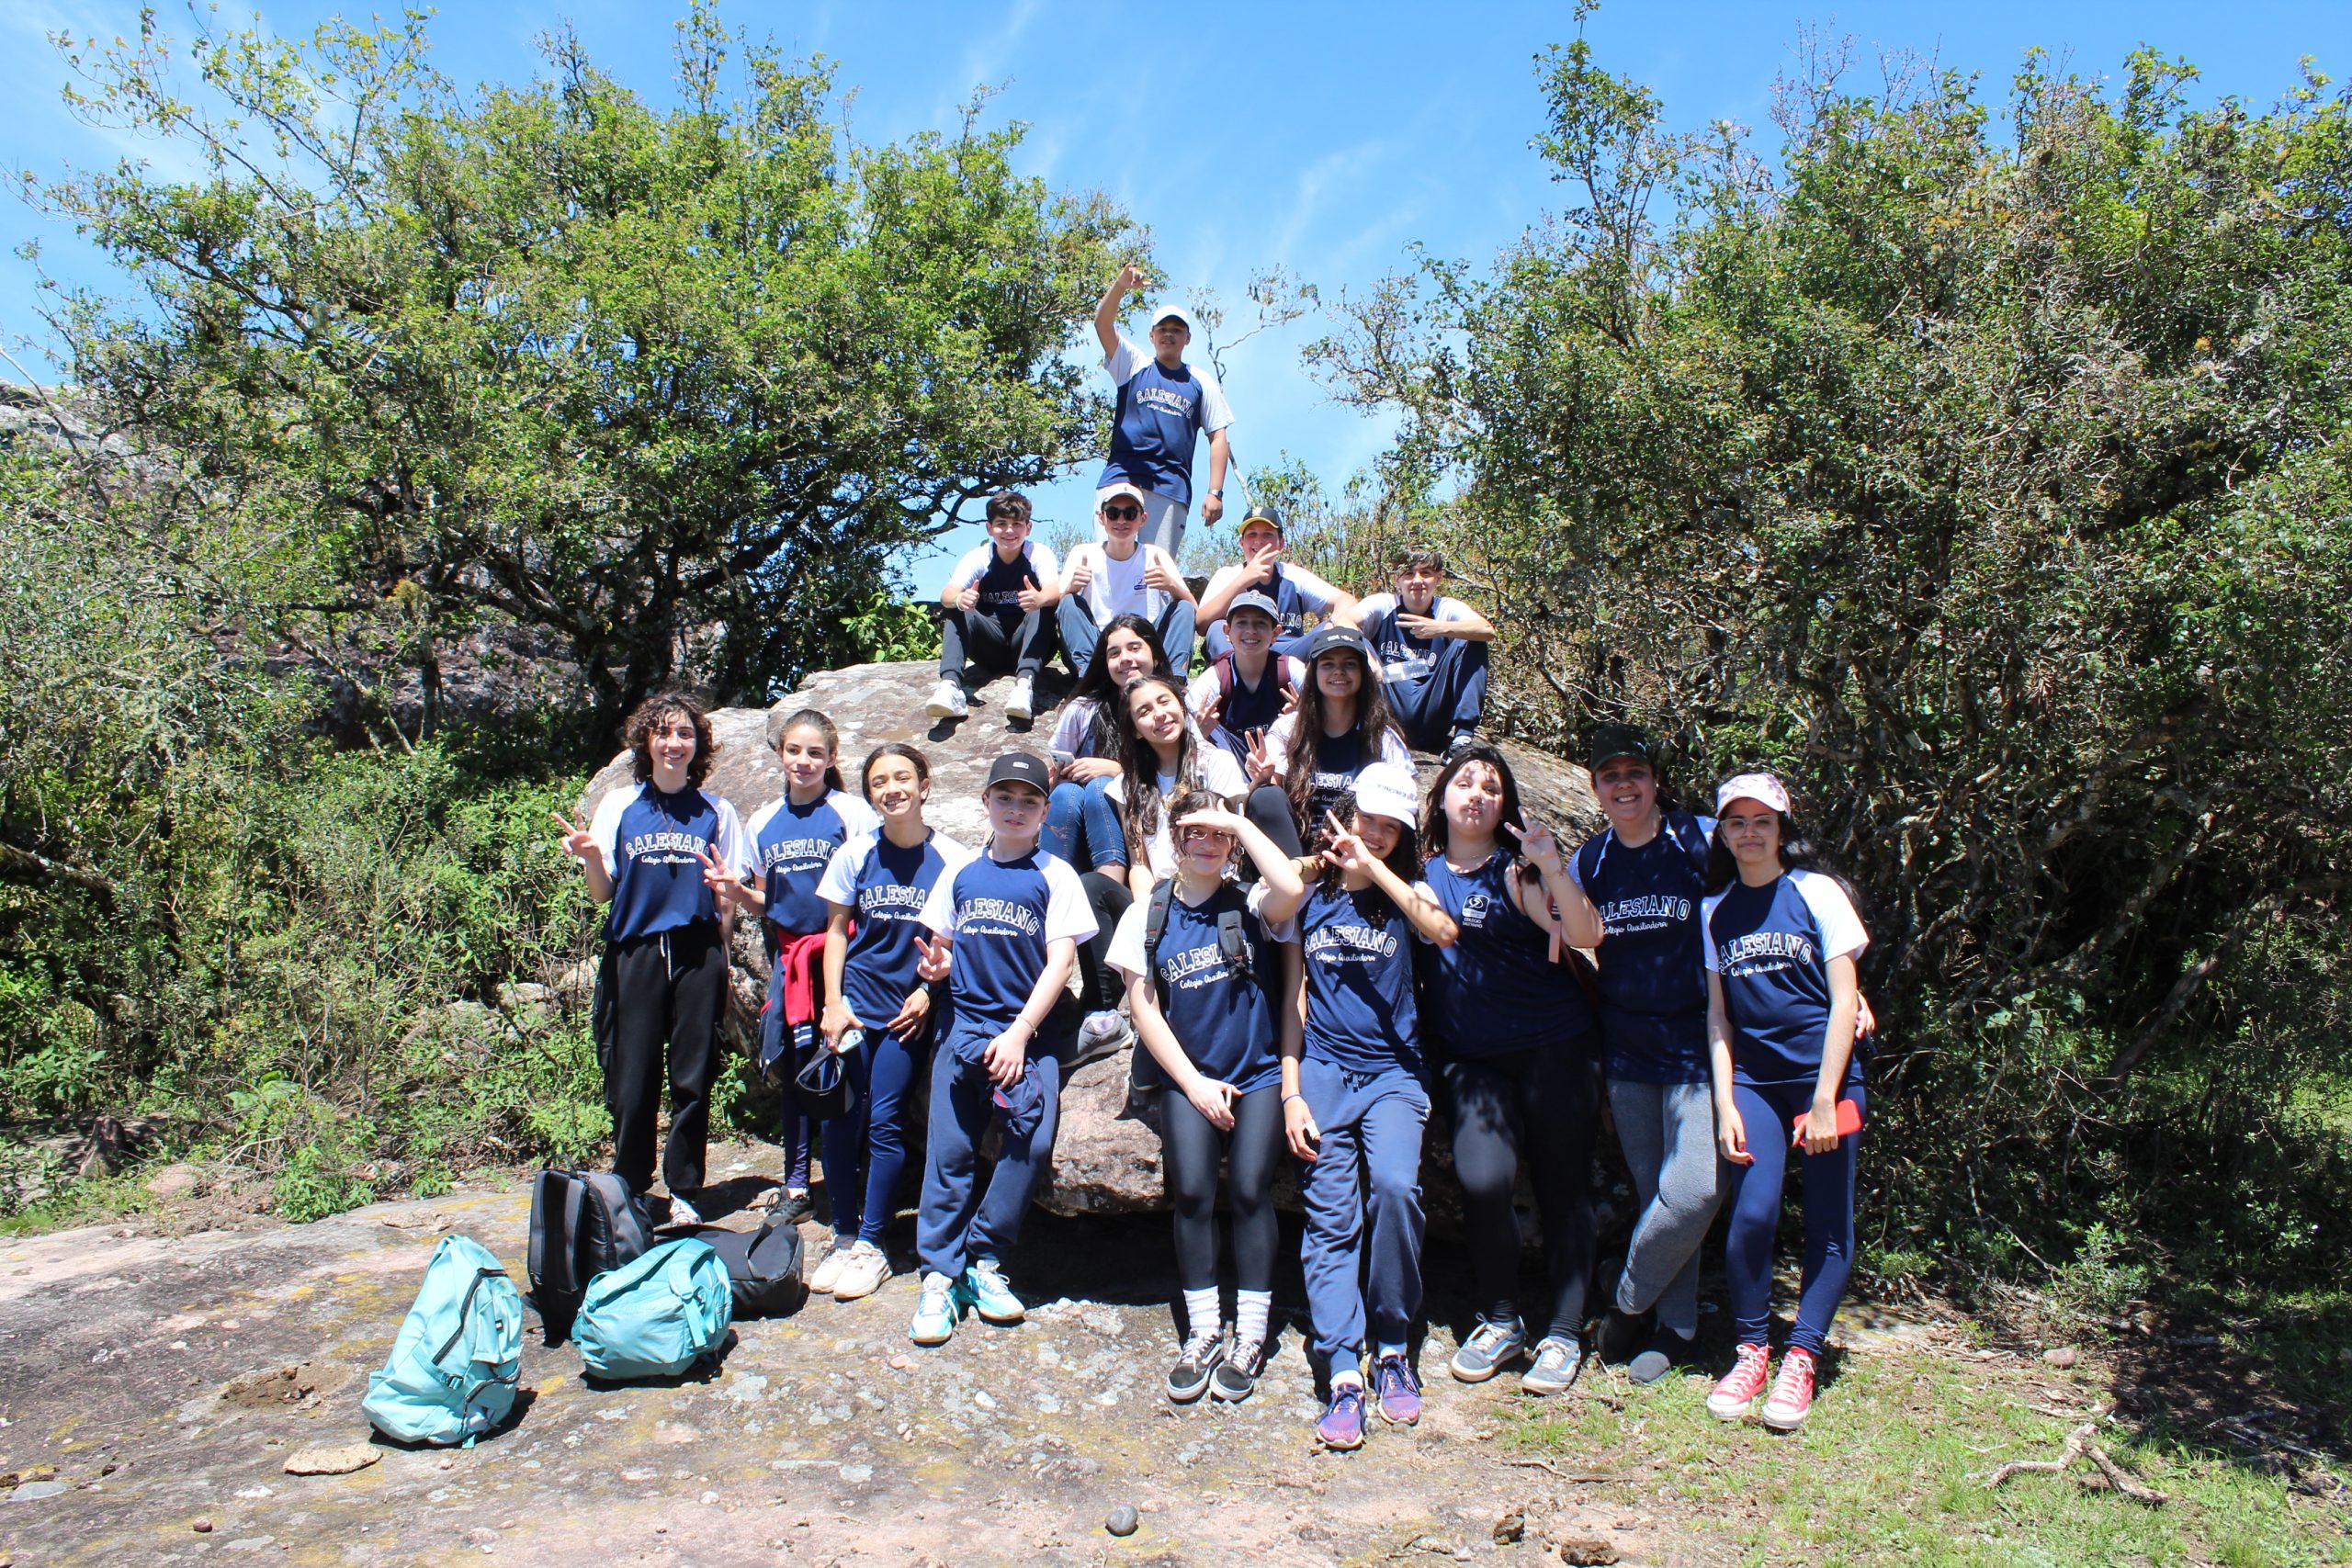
(1186, 835)
(1123, 512)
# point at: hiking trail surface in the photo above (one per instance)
(155, 1386)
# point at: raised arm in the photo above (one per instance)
(1580, 921)
(1106, 315)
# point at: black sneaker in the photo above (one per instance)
(795, 1207)
(1235, 1377)
(1621, 1335)
(1195, 1364)
(1666, 1352)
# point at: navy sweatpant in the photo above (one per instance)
(1448, 700)
(1362, 1196)
(1767, 1114)
(959, 1224)
(866, 1150)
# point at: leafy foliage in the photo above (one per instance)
(1995, 489)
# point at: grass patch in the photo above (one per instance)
(1891, 1466)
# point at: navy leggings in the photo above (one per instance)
(865, 1152)
(1767, 1112)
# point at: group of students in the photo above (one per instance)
(1313, 954)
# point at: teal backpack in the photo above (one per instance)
(656, 1315)
(453, 1371)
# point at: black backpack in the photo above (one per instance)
(582, 1224)
(1143, 1076)
(762, 1267)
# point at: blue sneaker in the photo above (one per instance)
(984, 1288)
(1342, 1423)
(936, 1312)
(1399, 1389)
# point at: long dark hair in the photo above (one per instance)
(1139, 759)
(1437, 833)
(1095, 686)
(637, 735)
(1373, 719)
(812, 719)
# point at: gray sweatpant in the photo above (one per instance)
(1667, 1131)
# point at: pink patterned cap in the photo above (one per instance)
(1753, 787)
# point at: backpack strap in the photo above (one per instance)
(1223, 665)
(1155, 925)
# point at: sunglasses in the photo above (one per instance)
(1187, 835)
(1123, 512)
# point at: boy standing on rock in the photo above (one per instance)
(1164, 405)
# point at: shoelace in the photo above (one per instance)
(1198, 1349)
(1395, 1375)
(1488, 1337)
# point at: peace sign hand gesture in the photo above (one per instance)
(935, 953)
(721, 882)
(577, 840)
(1259, 766)
(1536, 842)
(1346, 850)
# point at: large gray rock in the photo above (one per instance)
(1106, 1156)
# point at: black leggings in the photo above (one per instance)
(1545, 1102)
(1190, 1151)
(664, 992)
(1099, 987)
(1268, 809)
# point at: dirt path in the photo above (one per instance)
(141, 1382)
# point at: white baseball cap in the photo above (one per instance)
(1387, 789)
(1762, 787)
(1176, 313)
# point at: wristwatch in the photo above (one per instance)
(1218, 493)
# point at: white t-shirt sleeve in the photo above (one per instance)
(1200, 692)
(1042, 561)
(1842, 935)
(1315, 593)
(1123, 361)
(1278, 743)
(1069, 738)
(1375, 607)
(1446, 609)
(1218, 579)
(972, 563)
(1394, 749)
(1216, 414)
(1126, 939)
(734, 845)
(1067, 912)
(1282, 931)
(939, 909)
(1220, 775)
(839, 883)
(604, 826)
(1706, 931)
(858, 820)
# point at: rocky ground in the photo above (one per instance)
(155, 1386)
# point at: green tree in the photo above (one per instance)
(672, 385)
(1988, 471)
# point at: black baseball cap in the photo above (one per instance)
(1331, 637)
(1019, 767)
(1610, 741)
(1260, 513)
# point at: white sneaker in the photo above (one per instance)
(865, 1268)
(829, 1271)
(1022, 703)
(948, 701)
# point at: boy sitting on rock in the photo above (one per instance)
(996, 618)
(1432, 652)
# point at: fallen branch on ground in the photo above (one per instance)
(2079, 1446)
(1547, 1466)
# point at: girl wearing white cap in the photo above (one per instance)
(1354, 1099)
(1782, 940)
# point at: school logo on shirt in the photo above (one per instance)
(1762, 953)
(1474, 910)
(1648, 912)
(667, 847)
(1165, 400)
(892, 901)
(801, 852)
(1350, 944)
(999, 912)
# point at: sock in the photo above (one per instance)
(1346, 1378)
(1250, 1310)
(1200, 1312)
(1382, 1352)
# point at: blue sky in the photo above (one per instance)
(1318, 138)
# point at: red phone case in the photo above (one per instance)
(1849, 1121)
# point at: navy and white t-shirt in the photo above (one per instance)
(1213, 769)
(1002, 915)
(1161, 417)
(1338, 759)
(1219, 1015)
(1772, 945)
(652, 844)
(790, 845)
(1295, 592)
(1360, 1012)
(886, 886)
(1652, 959)
(1404, 657)
(1002, 581)
(1495, 989)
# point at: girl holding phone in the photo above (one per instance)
(1782, 997)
